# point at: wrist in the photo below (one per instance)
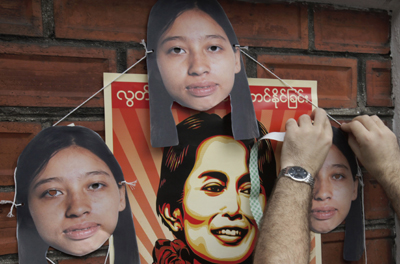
(297, 174)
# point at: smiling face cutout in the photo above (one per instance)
(196, 61)
(216, 218)
(75, 201)
(334, 190)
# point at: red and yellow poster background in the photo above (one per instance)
(128, 136)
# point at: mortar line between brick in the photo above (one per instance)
(48, 19)
(311, 33)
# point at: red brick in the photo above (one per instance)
(13, 139)
(379, 89)
(52, 75)
(21, 17)
(5, 221)
(379, 247)
(133, 56)
(376, 203)
(352, 31)
(102, 19)
(92, 260)
(264, 25)
(8, 241)
(97, 126)
(336, 77)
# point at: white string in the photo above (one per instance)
(90, 98)
(6, 202)
(12, 207)
(133, 184)
(108, 252)
(10, 214)
(50, 260)
(285, 83)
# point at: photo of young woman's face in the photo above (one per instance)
(334, 190)
(196, 61)
(217, 220)
(75, 201)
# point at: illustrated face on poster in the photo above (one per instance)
(336, 186)
(210, 175)
(192, 200)
(195, 63)
(70, 185)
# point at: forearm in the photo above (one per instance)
(284, 235)
(390, 182)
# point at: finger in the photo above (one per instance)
(356, 129)
(367, 122)
(354, 144)
(378, 121)
(291, 124)
(304, 120)
(320, 118)
(346, 127)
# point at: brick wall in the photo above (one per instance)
(53, 54)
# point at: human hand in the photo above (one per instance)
(375, 145)
(306, 144)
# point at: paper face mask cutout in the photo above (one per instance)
(336, 186)
(204, 191)
(70, 186)
(195, 62)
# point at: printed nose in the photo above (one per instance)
(232, 206)
(198, 64)
(322, 189)
(77, 205)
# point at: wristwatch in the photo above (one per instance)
(297, 173)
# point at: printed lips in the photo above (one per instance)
(323, 213)
(202, 89)
(81, 231)
(230, 235)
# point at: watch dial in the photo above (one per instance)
(298, 172)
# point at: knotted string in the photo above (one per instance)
(132, 184)
(10, 214)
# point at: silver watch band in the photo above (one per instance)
(298, 174)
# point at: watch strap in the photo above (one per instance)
(298, 174)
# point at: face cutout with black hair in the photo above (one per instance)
(195, 62)
(334, 190)
(336, 186)
(73, 196)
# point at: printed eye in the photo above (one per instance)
(337, 177)
(246, 191)
(52, 193)
(96, 186)
(214, 48)
(246, 188)
(177, 50)
(215, 188)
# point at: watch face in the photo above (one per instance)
(298, 172)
